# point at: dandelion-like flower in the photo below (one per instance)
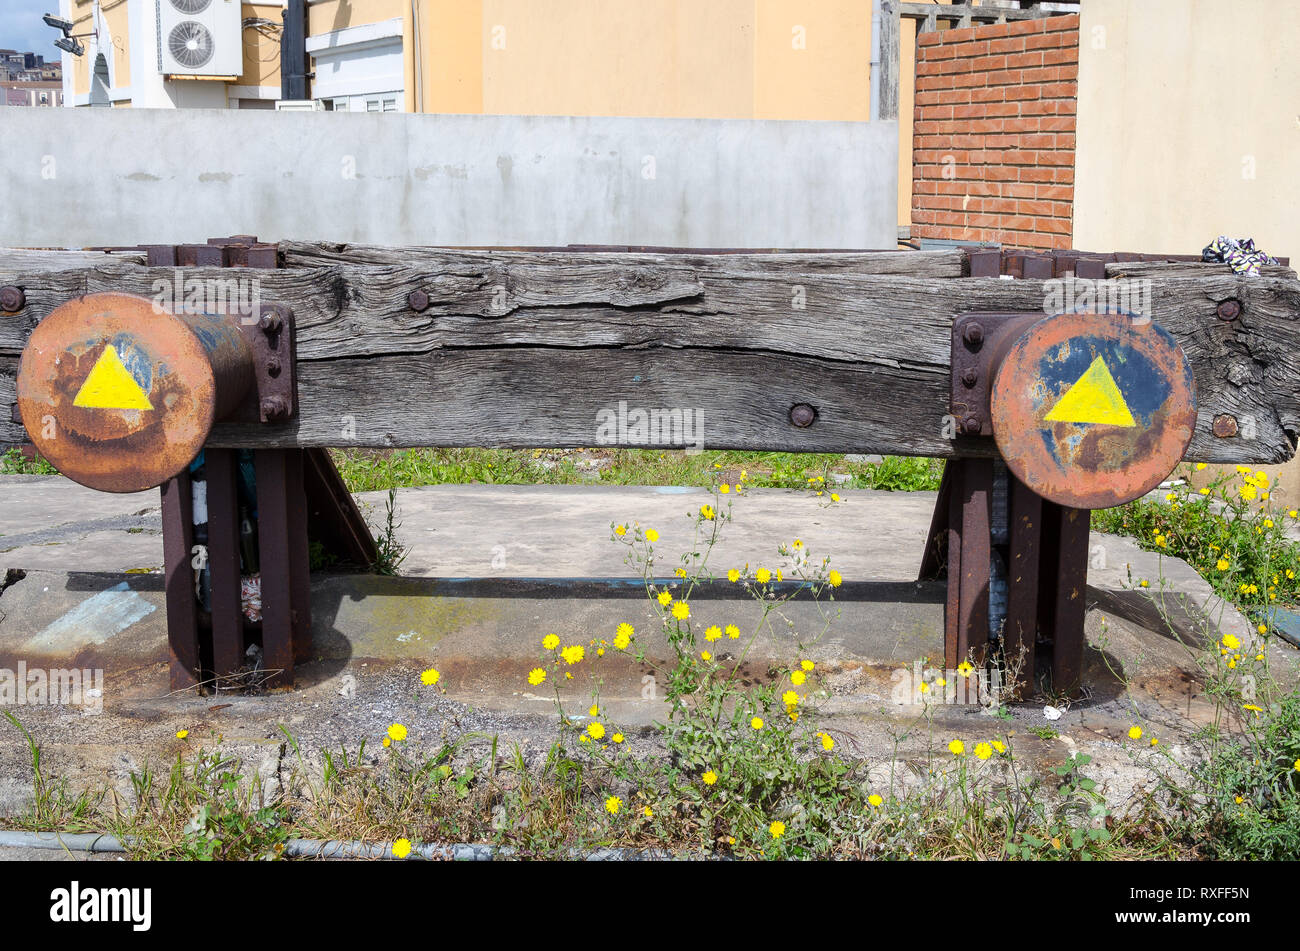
(665, 598)
(620, 530)
(713, 633)
(733, 575)
(828, 744)
(182, 734)
(777, 829)
(596, 730)
(763, 575)
(756, 723)
(710, 778)
(983, 750)
(835, 578)
(536, 676)
(402, 848)
(397, 732)
(430, 677)
(797, 677)
(1231, 642)
(551, 641)
(623, 636)
(733, 632)
(613, 804)
(681, 610)
(1135, 733)
(807, 665)
(956, 747)
(651, 535)
(999, 746)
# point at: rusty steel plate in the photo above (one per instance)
(1093, 410)
(120, 394)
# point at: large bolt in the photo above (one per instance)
(973, 334)
(270, 322)
(802, 415)
(1229, 309)
(12, 299)
(970, 376)
(417, 301)
(971, 425)
(275, 408)
(273, 364)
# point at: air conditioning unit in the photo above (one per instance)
(200, 38)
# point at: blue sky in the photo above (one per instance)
(21, 27)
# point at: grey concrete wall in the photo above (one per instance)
(78, 177)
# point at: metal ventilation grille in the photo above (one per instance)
(190, 43)
(191, 6)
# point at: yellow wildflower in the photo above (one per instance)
(402, 848)
(613, 804)
(550, 642)
(536, 676)
(430, 677)
(957, 747)
(397, 732)
(710, 778)
(777, 829)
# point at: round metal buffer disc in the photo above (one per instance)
(1093, 410)
(119, 394)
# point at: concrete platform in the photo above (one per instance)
(495, 568)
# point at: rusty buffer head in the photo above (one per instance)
(119, 394)
(1093, 410)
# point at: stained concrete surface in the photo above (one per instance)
(561, 573)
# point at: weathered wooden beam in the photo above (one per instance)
(887, 94)
(944, 262)
(22, 259)
(1165, 269)
(526, 349)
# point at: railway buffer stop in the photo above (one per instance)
(1042, 416)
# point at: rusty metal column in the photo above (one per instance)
(178, 581)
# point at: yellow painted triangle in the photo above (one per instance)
(111, 386)
(1094, 398)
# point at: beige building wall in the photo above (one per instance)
(733, 59)
(1189, 125)
(1188, 128)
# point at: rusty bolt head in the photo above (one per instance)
(971, 425)
(12, 299)
(273, 365)
(270, 322)
(1225, 426)
(802, 415)
(970, 376)
(417, 300)
(1229, 309)
(973, 334)
(275, 408)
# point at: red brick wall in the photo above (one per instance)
(993, 133)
